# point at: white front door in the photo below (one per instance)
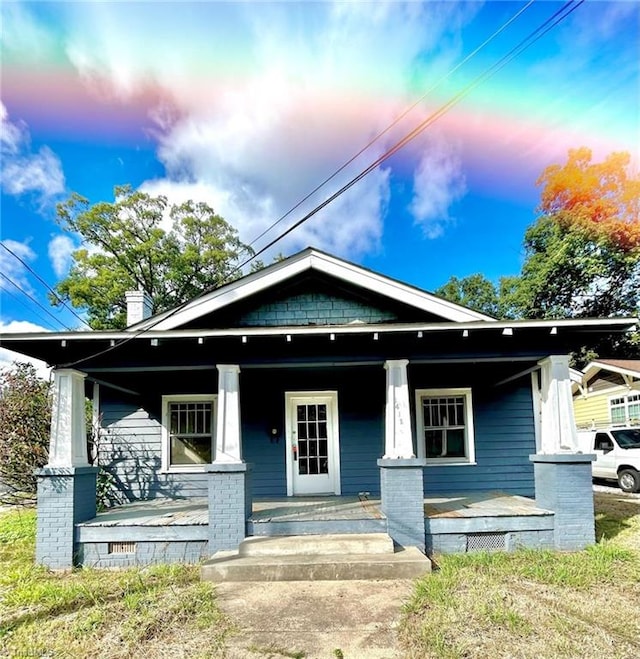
(313, 455)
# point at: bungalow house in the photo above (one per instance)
(314, 396)
(607, 393)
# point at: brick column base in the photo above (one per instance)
(66, 496)
(564, 485)
(402, 495)
(229, 504)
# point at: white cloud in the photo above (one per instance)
(22, 170)
(12, 268)
(264, 101)
(60, 250)
(7, 357)
(438, 182)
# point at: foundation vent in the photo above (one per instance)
(122, 548)
(486, 541)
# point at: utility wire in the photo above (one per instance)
(394, 123)
(26, 306)
(42, 281)
(34, 300)
(534, 36)
(560, 15)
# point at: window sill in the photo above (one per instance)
(187, 469)
(449, 463)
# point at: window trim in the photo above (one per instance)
(625, 395)
(469, 435)
(185, 398)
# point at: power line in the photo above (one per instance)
(534, 36)
(42, 281)
(26, 306)
(34, 300)
(560, 15)
(394, 122)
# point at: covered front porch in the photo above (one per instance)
(166, 530)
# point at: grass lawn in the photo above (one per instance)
(160, 611)
(523, 604)
(532, 603)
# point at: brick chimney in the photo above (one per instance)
(139, 306)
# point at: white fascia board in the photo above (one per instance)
(310, 259)
(232, 292)
(593, 367)
(394, 289)
(619, 324)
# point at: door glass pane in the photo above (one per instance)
(312, 439)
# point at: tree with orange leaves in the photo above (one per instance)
(583, 252)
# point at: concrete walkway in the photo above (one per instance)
(315, 619)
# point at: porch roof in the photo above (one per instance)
(70, 349)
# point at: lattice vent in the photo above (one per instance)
(486, 541)
(122, 548)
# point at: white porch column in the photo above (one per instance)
(398, 436)
(556, 407)
(68, 441)
(228, 412)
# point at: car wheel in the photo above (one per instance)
(629, 480)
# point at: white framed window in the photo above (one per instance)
(625, 409)
(188, 431)
(444, 426)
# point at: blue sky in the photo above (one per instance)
(249, 105)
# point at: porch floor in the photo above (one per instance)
(190, 512)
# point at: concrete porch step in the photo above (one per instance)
(317, 545)
(316, 558)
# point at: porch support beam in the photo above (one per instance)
(398, 438)
(67, 485)
(68, 439)
(228, 445)
(558, 428)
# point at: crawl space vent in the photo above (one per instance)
(122, 548)
(486, 541)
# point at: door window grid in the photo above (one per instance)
(311, 425)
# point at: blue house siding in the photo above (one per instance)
(130, 446)
(504, 439)
(130, 450)
(360, 420)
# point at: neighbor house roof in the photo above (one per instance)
(628, 368)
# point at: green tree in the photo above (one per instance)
(479, 293)
(582, 255)
(126, 248)
(25, 421)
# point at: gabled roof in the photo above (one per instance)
(628, 368)
(309, 260)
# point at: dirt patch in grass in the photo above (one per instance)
(321, 619)
(528, 604)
